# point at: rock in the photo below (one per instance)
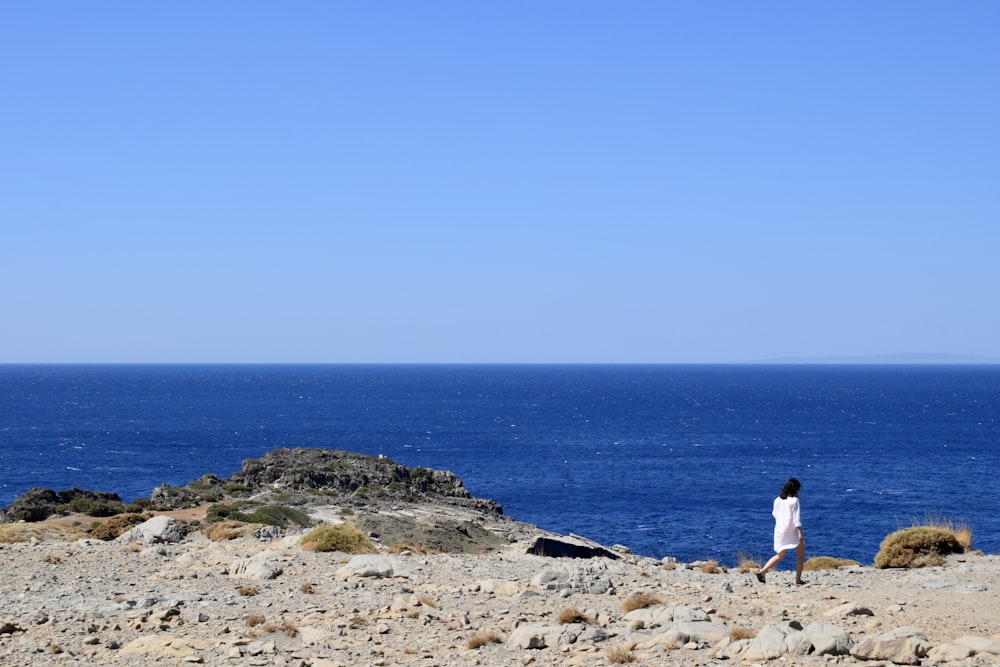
(591, 578)
(157, 530)
(769, 644)
(980, 645)
(849, 609)
(356, 478)
(950, 652)
(819, 639)
(268, 533)
(374, 565)
(38, 504)
(568, 547)
(260, 567)
(903, 646)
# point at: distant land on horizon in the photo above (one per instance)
(900, 359)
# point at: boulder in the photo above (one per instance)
(819, 639)
(590, 578)
(980, 645)
(534, 636)
(903, 646)
(769, 644)
(159, 529)
(375, 565)
(260, 566)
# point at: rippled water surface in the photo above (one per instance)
(669, 460)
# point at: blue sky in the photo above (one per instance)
(658, 182)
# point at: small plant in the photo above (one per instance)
(619, 655)
(919, 546)
(340, 537)
(640, 601)
(483, 638)
(307, 588)
(746, 563)
(52, 560)
(289, 628)
(253, 620)
(23, 532)
(248, 590)
(225, 530)
(572, 615)
(710, 567)
(738, 632)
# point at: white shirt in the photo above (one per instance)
(786, 523)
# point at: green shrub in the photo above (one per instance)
(280, 515)
(91, 507)
(272, 515)
(341, 537)
(235, 489)
(919, 546)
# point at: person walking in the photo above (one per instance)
(787, 530)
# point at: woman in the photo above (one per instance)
(787, 530)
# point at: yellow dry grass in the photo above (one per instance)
(40, 530)
(640, 601)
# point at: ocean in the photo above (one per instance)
(668, 460)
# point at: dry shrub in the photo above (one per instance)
(738, 632)
(482, 639)
(116, 526)
(961, 530)
(670, 565)
(340, 537)
(919, 546)
(253, 620)
(827, 563)
(746, 563)
(286, 627)
(248, 590)
(572, 615)
(711, 567)
(225, 530)
(52, 560)
(429, 602)
(640, 601)
(619, 655)
(307, 588)
(41, 530)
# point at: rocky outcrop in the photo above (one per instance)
(39, 504)
(352, 478)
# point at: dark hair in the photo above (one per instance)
(791, 488)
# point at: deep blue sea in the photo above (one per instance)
(668, 460)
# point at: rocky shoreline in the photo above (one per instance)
(452, 582)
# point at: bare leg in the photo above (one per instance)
(800, 559)
(775, 559)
